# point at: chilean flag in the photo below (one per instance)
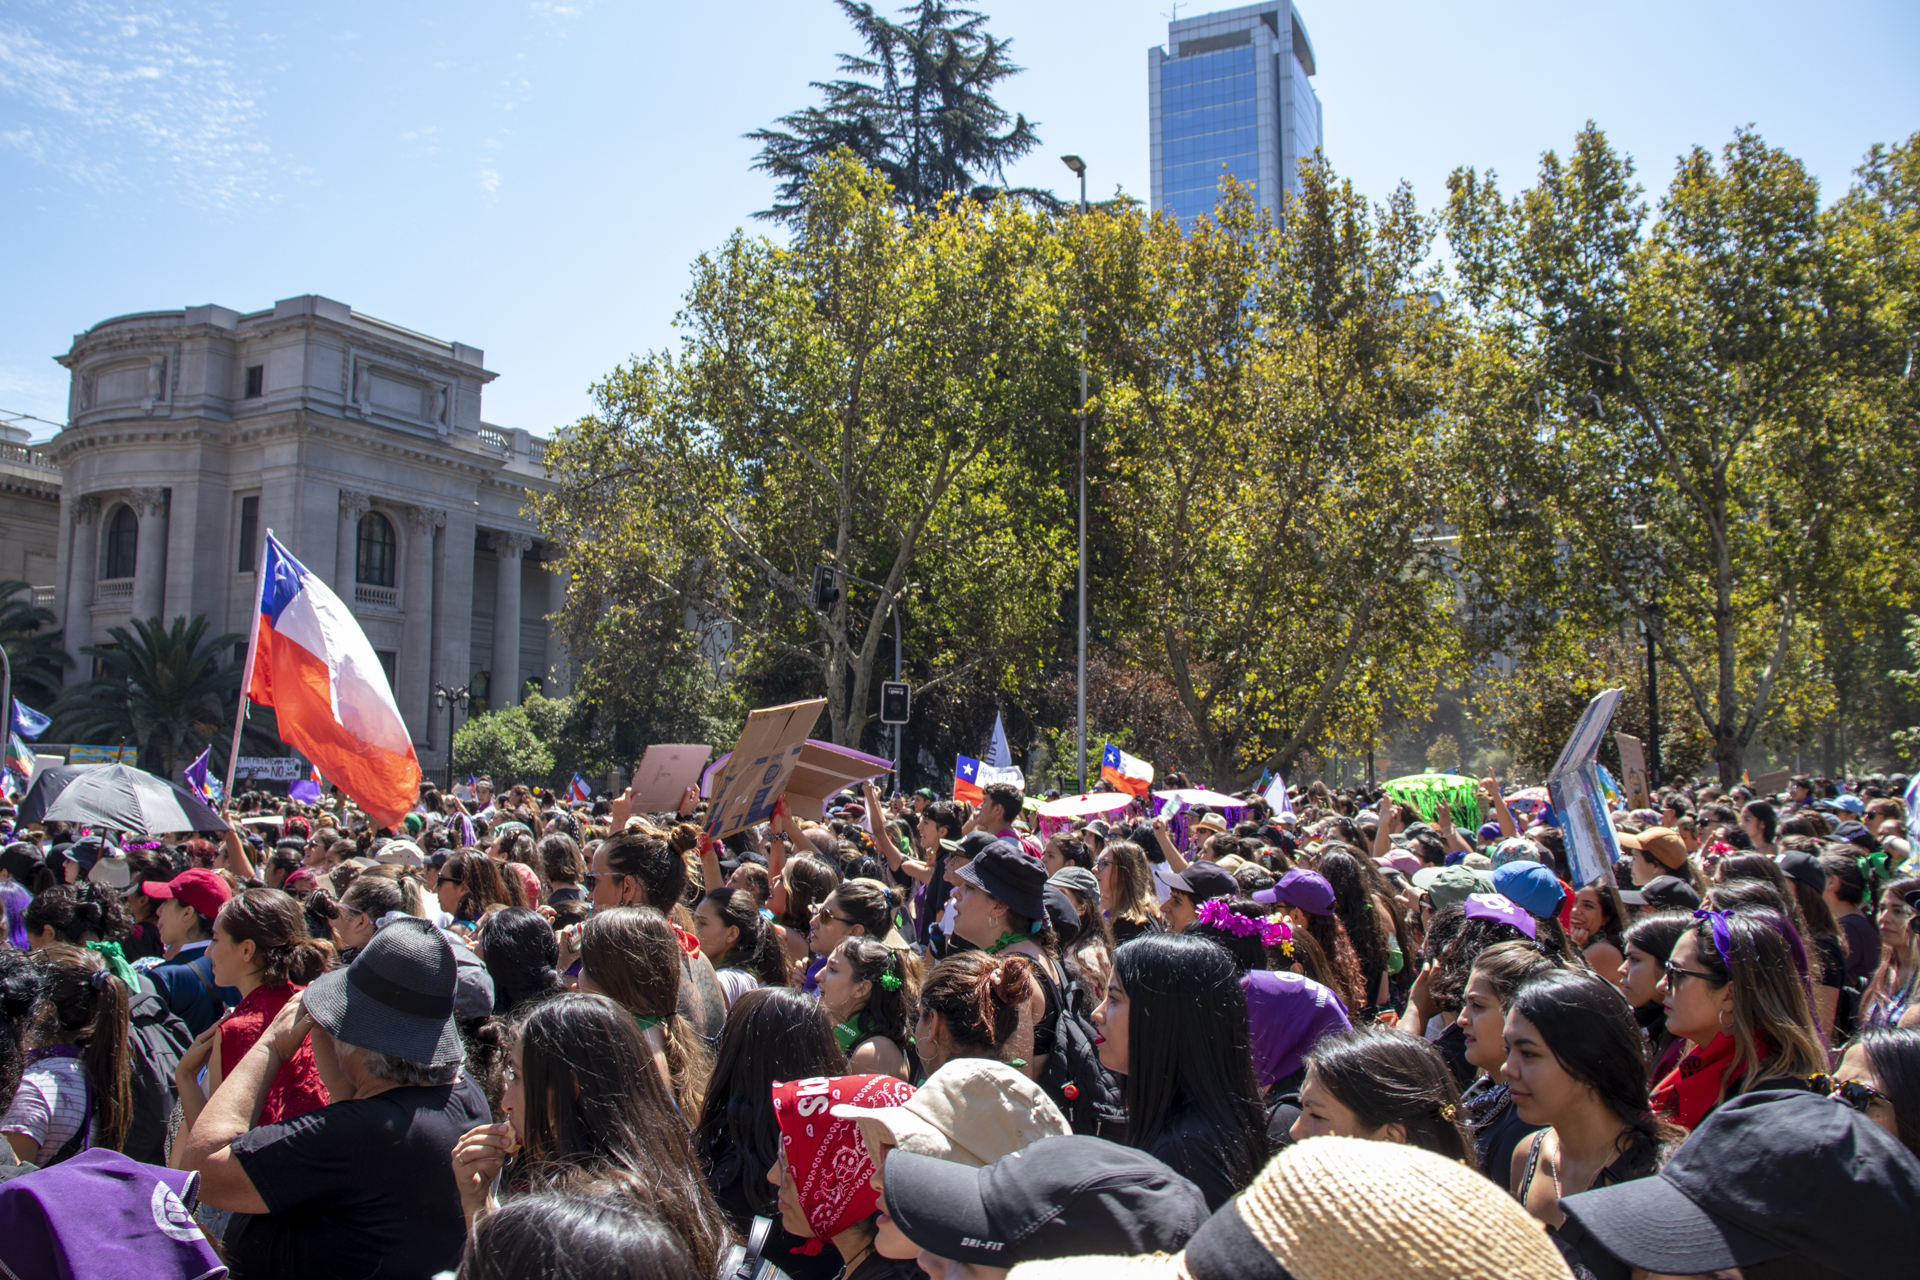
(311, 663)
(577, 792)
(971, 778)
(1127, 773)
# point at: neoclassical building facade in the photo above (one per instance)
(359, 443)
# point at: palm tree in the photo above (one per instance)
(165, 688)
(33, 644)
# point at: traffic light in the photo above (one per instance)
(825, 589)
(895, 701)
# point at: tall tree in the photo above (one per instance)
(1657, 412)
(882, 398)
(1271, 395)
(34, 649)
(916, 107)
(170, 689)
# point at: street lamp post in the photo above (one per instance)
(451, 701)
(1079, 168)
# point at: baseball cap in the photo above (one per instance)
(1492, 906)
(1805, 868)
(974, 843)
(404, 853)
(1664, 846)
(1078, 879)
(1514, 849)
(1306, 891)
(1399, 860)
(1767, 1175)
(1059, 1198)
(1010, 874)
(199, 888)
(972, 1111)
(1209, 880)
(1529, 885)
(1668, 892)
(1449, 886)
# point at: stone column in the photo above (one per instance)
(352, 507)
(559, 679)
(83, 568)
(416, 635)
(150, 552)
(505, 689)
(453, 619)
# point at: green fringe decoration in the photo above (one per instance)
(1426, 792)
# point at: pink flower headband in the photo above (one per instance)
(1272, 931)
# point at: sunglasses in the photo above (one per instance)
(1675, 973)
(821, 913)
(1850, 1092)
(446, 880)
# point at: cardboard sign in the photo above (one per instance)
(759, 767)
(1769, 785)
(1592, 845)
(1633, 771)
(665, 772)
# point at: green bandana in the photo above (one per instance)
(116, 962)
(1005, 940)
(846, 1033)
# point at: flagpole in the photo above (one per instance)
(246, 671)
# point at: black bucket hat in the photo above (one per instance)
(396, 997)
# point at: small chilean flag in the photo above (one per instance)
(1127, 773)
(971, 778)
(577, 792)
(311, 663)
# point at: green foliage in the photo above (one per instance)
(1907, 741)
(1272, 399)
(1443, 753)
(511, 745)
(880, 397)
(916, 108)
(34, 647)
(166, 687)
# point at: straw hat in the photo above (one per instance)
(1348, 1209)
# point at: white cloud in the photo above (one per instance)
(490, 180)
(118, 95)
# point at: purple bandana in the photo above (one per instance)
(1493, 906)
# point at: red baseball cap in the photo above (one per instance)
(199, 888)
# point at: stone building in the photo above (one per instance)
(359, 443)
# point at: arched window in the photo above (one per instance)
(123, 536)
(373, 561)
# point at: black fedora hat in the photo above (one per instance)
(396, 997)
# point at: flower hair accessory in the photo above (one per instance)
(890, 981)
(1272, 931)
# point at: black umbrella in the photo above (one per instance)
(129, 799)
(47, 784)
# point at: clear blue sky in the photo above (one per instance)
(535, 178)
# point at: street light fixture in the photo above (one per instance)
(1079, 168)
(451, 701)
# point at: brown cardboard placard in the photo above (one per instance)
(1633, 771)
(760, 765)
(1768, 785)
(665, 772)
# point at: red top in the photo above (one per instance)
(296, 1088)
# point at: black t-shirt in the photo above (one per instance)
(1829, 960)
(1191, 1145)
(1863, 945)
(1126, 930)
(358, 1189)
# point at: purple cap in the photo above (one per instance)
(1307, 891)
(1491, 906)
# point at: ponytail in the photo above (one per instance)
(758, 950)
(979, 998)
(276, 925)
(84, 1005)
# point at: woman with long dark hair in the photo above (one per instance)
(74, 1092)
(1369, 925)
(1751, 880)
(1599, 921)
(632, 955)
(1174, 1023)
(19, 993)
(867, 990)
(1880, 1075)
(1382, 1085)
(521, 954)
(802, 885)
(1306, 902)
(773, 1034)
(743, 946)
(1573, 1065)
(1494, 977)
(584, 1105)
(1650, 942)
(469, 882)
(1732, 989)
(1889, 996)
(577, 1232)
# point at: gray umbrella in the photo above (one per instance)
(129, 799)
(47, 784)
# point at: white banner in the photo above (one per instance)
(271, 768)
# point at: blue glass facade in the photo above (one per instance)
(1209, 128)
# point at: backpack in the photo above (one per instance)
(156, 1040)
(1088, 1095)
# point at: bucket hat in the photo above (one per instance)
(396, 998)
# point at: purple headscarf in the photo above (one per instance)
(14, 901)
(1288, 1015)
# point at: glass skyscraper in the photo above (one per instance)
(1231, 93)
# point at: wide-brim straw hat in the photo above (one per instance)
(1348, 1209)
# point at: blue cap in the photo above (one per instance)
(1529, 886)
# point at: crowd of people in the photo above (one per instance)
(516, 1037)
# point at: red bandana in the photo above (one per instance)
(827, 1158)
(1699, 1083)
(688, 943)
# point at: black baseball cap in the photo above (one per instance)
(1062, 1197)
(1670, 892)
(974, 843)
(1209, 880)
(1010, 874)
(1061, 912)
(1771, 1174)
(1805, 868)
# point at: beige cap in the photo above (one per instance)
(1352, 1209)
(972, 1111)
(1211, 822)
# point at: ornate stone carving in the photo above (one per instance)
(508, 545)
(426, 519)
(148, 502)
(363, 387)
(354, 505)
(86, 510)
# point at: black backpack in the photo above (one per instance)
(156, 1040)
(1088, 1095)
